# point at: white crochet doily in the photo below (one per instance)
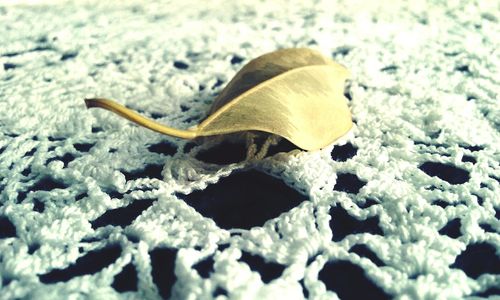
(94, 207)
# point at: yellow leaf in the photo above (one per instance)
(293, 93)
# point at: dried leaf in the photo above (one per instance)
(293, 93)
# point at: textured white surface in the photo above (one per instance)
(425, 88)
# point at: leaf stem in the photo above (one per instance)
(138, 119)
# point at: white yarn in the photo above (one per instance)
(424, 89)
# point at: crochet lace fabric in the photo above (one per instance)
(92, 206)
